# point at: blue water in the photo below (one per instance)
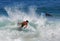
(50, 6)
(40, 27)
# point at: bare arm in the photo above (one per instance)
(26, 26)
(19, 23)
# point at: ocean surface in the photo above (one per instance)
(40, 26)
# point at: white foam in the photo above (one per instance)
(45, 30)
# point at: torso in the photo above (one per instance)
(24, 23)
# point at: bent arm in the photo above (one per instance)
(25, 26)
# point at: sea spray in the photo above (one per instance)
(41, 28)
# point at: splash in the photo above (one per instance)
(39, 28)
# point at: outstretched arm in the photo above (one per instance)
(19, 23)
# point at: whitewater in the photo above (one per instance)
(40, 28)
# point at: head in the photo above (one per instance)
(27, 21)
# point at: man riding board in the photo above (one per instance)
(23, 24)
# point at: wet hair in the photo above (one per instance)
(27, 21)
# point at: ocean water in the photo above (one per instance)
(40, 27)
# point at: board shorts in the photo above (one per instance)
(22, 25)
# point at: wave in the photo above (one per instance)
(40, 28)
